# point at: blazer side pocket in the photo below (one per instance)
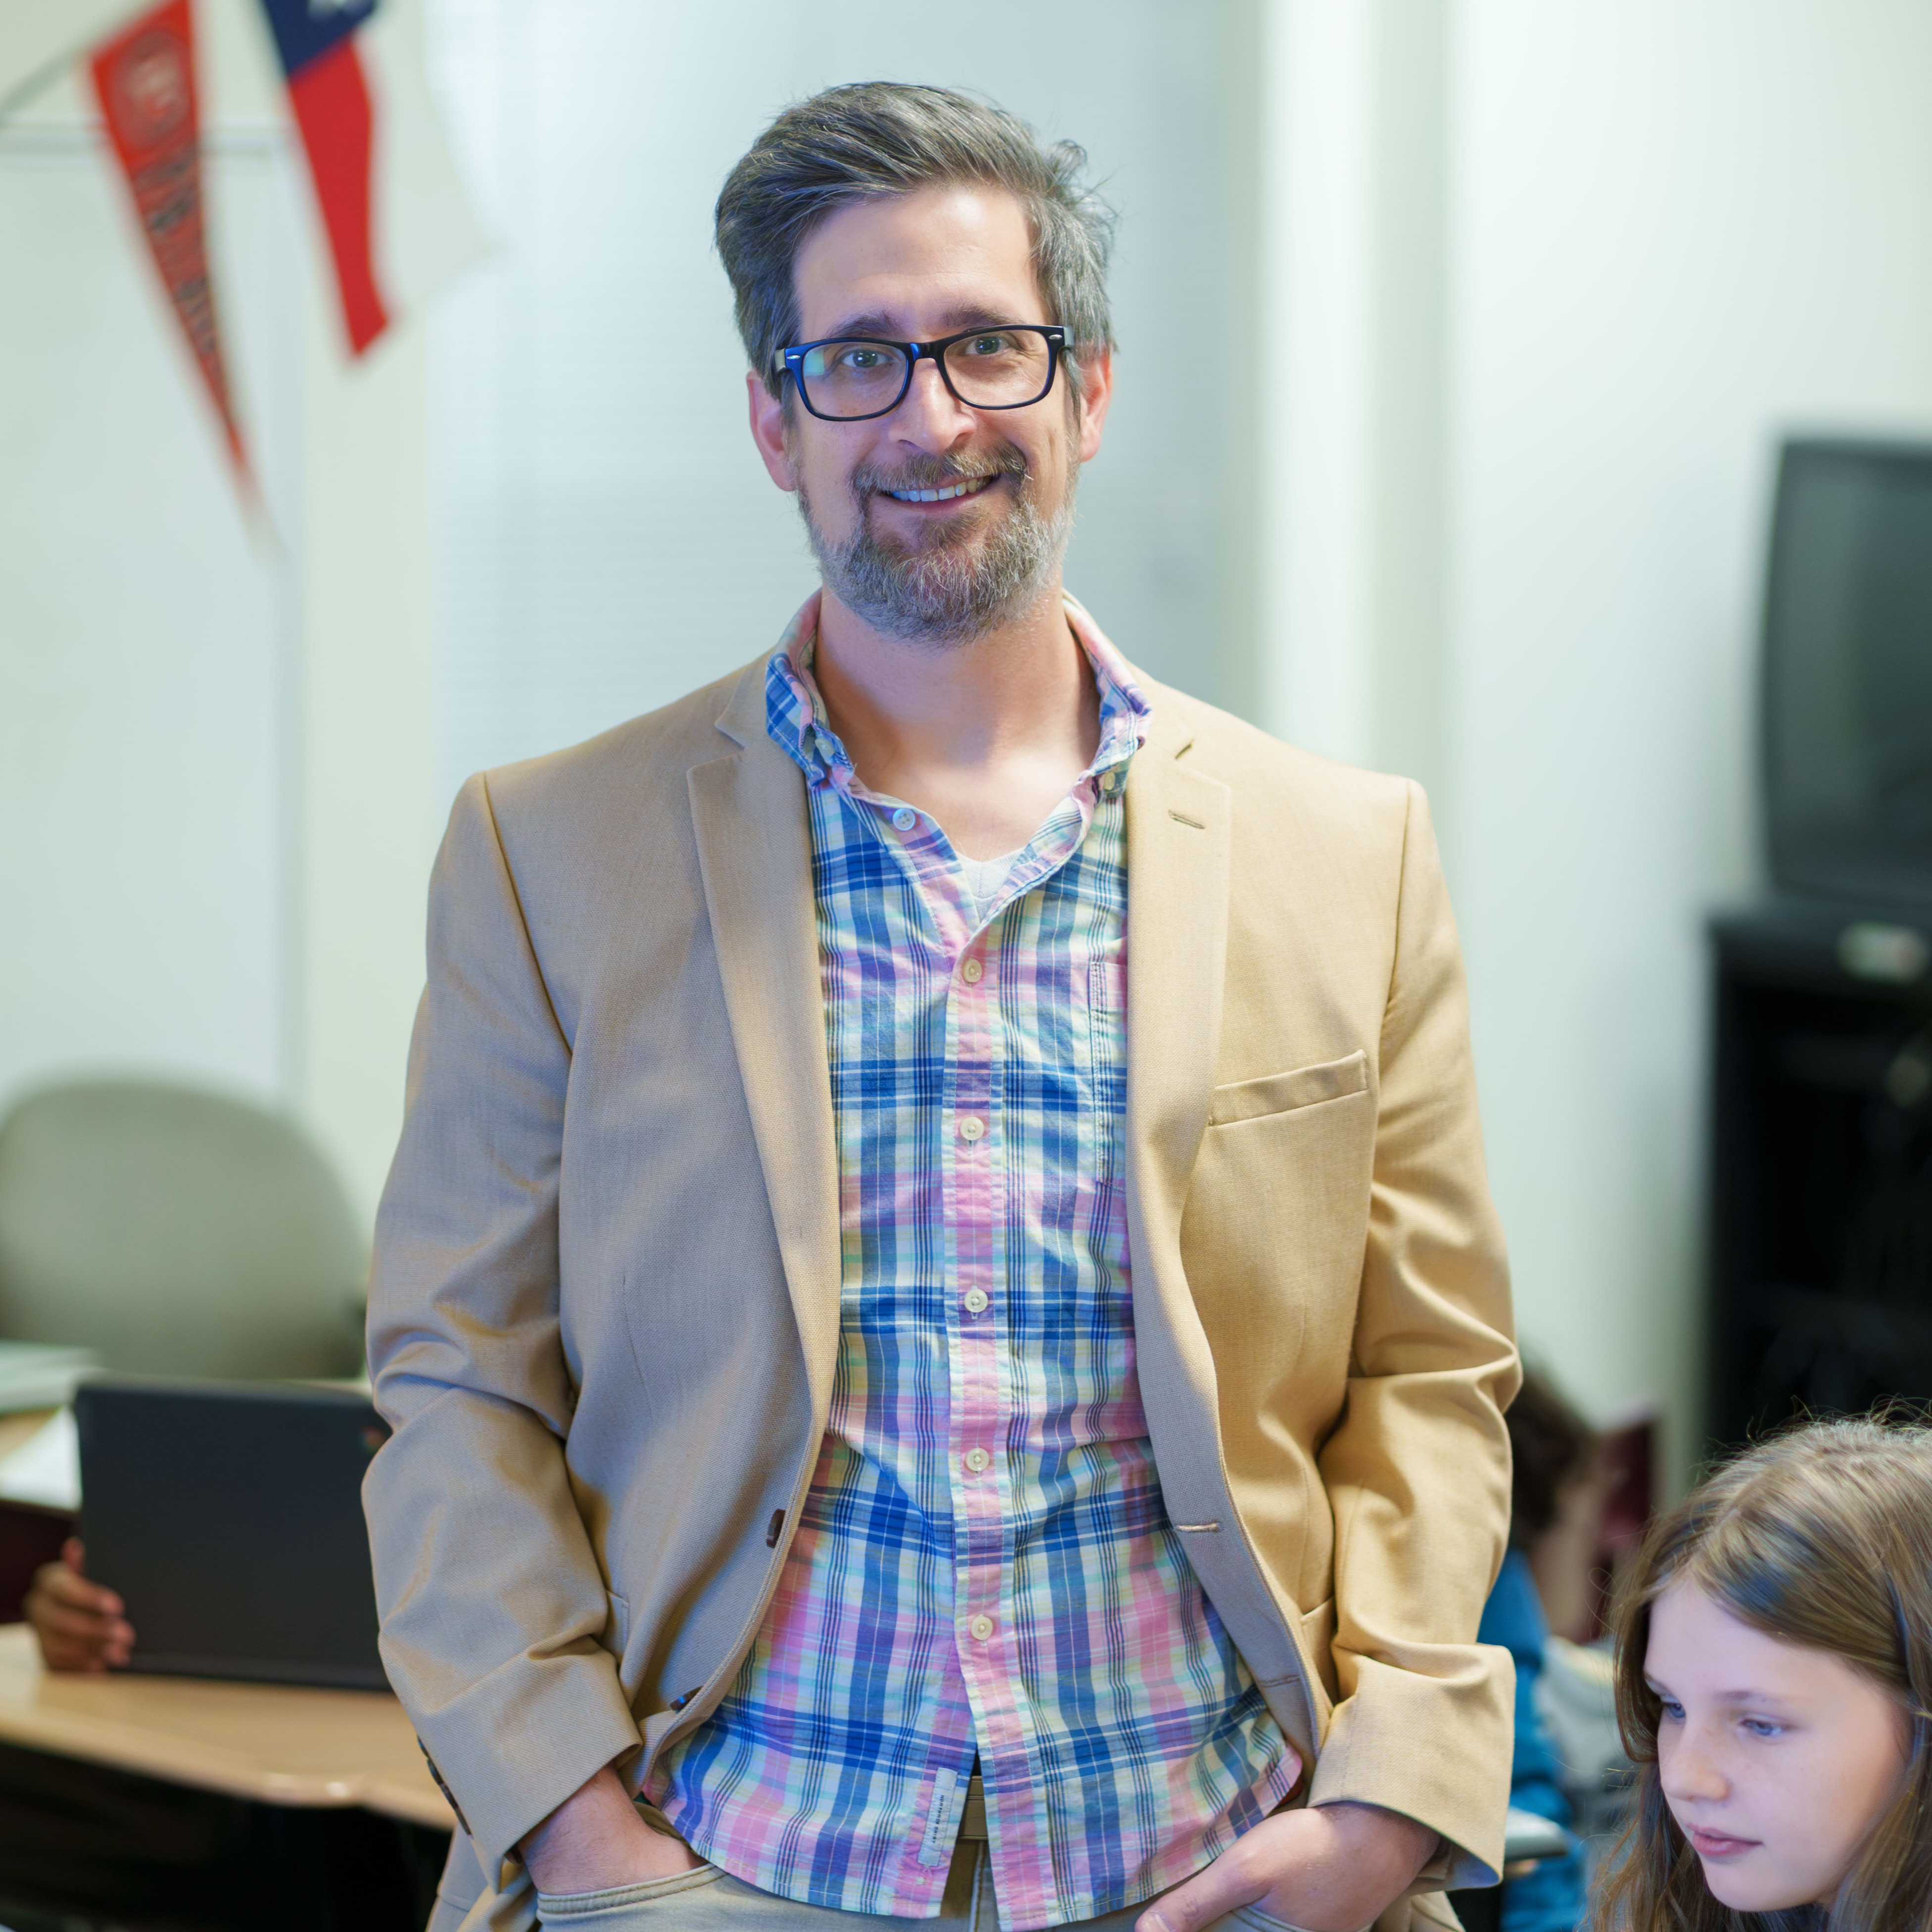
(1283, 1093)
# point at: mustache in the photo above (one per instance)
(939, 472)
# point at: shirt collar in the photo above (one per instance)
(796, 721)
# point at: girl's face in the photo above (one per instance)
(1776, 1760)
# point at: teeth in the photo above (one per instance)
(941, 496)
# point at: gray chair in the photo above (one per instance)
(176, 1232)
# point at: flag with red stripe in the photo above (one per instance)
(392, 206)
(330, 95)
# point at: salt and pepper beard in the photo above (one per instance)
(961, 582)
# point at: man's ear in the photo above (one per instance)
(1096, 384)
(768, 430)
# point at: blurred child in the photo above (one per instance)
(1774, 1662)
(1554, 1456)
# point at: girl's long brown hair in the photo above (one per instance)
(1821, 1537)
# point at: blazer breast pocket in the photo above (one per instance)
(1283, 1093)
(1273, 1232)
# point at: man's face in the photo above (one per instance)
(910, 267)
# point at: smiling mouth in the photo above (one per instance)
(971, 487)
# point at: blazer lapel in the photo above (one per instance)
(748, 811)
(1178, 844)
(1180, 837)
(1178, 840)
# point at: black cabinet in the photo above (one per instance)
(1820, 1222)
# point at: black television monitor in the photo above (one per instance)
(1847, 672)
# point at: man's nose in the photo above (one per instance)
(929, 415)
(1691, 1769)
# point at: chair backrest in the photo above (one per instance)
(178, 1232)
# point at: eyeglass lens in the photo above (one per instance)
(998, 368)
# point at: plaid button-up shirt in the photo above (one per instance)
(984, 1561)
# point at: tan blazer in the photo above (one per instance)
(605, 1303)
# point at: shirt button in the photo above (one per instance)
(972, 972)
(981, 1627)
(976, 1300)
(976, 1459)
(972, 1128)
(905, 818)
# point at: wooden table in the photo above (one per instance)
(18, 1425)
(271, 1742)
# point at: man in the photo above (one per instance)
(944, 1330)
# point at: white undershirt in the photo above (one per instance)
(984, 876)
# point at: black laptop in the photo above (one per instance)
(229, 1516)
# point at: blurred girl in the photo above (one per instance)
(1775, 1661)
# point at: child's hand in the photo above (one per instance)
(82, 1626)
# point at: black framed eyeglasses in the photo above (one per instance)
(848, 378)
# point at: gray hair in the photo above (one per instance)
(873, 138)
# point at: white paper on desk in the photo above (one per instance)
(41, 1374)
(46, 1468)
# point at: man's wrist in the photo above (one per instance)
(1390, 1828)
(591, 1840)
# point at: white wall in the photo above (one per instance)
(215, 765)
(143, 662)
(1664, 233)
(1679, 231)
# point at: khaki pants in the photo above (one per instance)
(710, 1901)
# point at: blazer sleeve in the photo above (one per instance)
(1417, 1472)
(491, 1600)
